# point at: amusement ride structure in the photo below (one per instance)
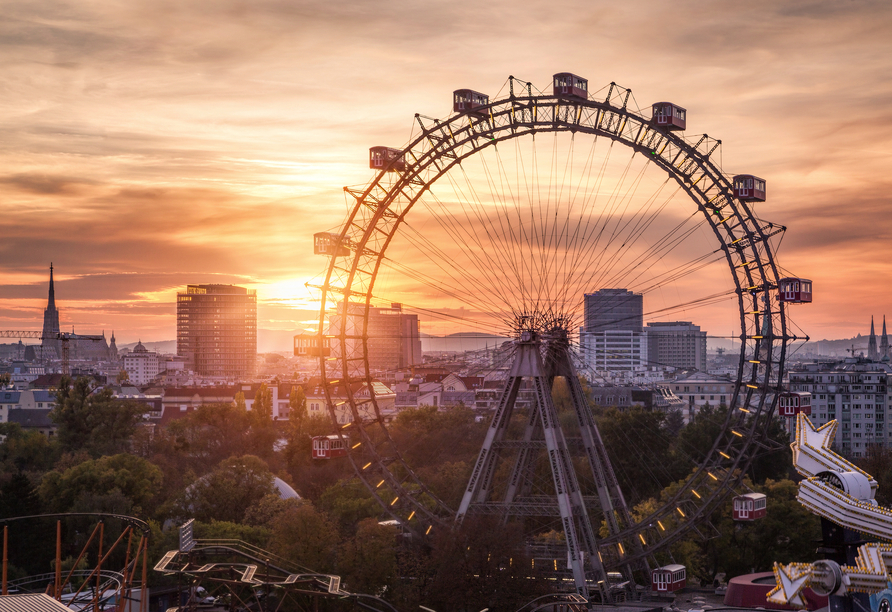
(502, 215)
(843, 495)
(119, 569)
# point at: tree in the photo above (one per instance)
(787, 533)
(367, 561)
(642, 472)
(263, 433)
(227, 492)
(348, 502)
(674, 422)
(878, 463)
(297, 413)
(25, 451)
(482, 564)
(93, 420)
(122, 377)
(114, 480)
(305, 536)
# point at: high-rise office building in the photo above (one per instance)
(612, 337)
(614, 309)
(676, 344)
(217, 330)
(394, 335)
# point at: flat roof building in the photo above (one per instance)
(678, 344)
(217, 330)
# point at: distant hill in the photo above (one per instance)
(268, 341)
(282, 341)
(162, 346)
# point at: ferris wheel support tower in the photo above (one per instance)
(543, 431)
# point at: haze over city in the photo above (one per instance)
(148, 146)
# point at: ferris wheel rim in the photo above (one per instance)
(760, 260)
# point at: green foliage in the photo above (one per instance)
(263, 432)
(878, 463)
(25, 451)
(787, 533)
(93, 420)
(483, 564)
(367, 562)
(228, 491)
(123, 482)
(348, 503)
(297, 413)
(18, 496)
(643, 471)
(313, 477)
(425, 435)
(266, 509)
(305, 536)
(225, 530)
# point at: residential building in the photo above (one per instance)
(678, 344)
(658, 398)
(614, 351)
(317, 404)
(699, 389)
(217, 330)
(142, 366)
(177, 402)
(856, 393)
(37, 419)
(37, 399)
(281, 398)
(9, 400)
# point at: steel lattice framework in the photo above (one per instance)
(376, 218)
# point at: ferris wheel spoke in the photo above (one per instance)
(463, 283)
(647, 260)
(483, 263)
(506, 242)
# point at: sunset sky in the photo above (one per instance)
(148, 145)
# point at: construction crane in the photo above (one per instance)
(63, 337)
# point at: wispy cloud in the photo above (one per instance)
(147, 145)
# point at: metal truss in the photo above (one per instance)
(744, 240)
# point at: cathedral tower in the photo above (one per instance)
(872, 353)
(51, 319)
(884, 343)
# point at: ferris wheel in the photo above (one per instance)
(494, 222)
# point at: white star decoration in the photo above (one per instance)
(811, 450)
(790, 582)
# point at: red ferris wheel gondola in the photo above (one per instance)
(791, 404)
(794, 290)
(669, 116)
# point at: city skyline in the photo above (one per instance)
(141, 163)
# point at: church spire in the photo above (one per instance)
(884, 343)
(51, 302)
(872, 352)
(51, 317)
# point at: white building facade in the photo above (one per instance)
(141, 365)
(854, 392)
